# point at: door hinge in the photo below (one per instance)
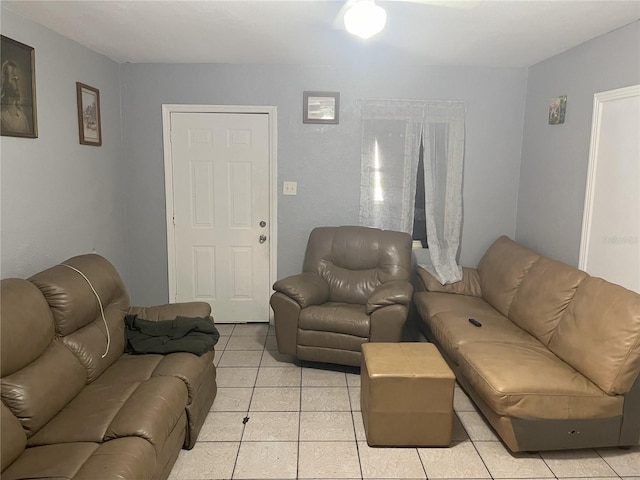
(170, 136)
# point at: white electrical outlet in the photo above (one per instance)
(289, 188)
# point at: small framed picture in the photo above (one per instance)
(557, 110)
(321, 107)
(89, 115)
(18, 104)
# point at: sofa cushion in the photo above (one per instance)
(544, 294)
(447, 316)
(12, 439)
(193, 370)
(355, 260)
(502, 269)
(25, 314)
(149, 410)
(130, 369)
(39, 374)
(94, 408)
(189, 368)
(347, 285)
(36, 393)
(129, 458)
(335, 317)
(599, 335)
(77, 313)
(469, 285)
(529, 381)
(329, 341)
(51, 462)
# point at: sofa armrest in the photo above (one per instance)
(390, 293)
(469, 285)
(305, 288)
(172, 310)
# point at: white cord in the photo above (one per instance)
(99, 303)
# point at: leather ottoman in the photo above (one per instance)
(406, 395)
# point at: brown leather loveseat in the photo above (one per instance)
(555, 362)
(74, 405)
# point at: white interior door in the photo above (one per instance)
(221, 206)
(610, 246)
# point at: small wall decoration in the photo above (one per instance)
(18, 103)
(557, 110)
(89, 115)
(321, 107)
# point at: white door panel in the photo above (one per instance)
(220, 169)
(610, 245)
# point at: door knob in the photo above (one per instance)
(262, 238)
(263, 224)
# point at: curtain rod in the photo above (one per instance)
(360, 100)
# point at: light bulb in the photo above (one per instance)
(364, 19)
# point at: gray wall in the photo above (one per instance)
(60, 198)
(324, 160)
(555, 157)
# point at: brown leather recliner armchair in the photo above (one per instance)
(354, 288)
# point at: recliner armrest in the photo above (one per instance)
(390, 293)
(305, 288)
(172, 310)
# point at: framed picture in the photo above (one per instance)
(557, 110)
(89, 125)
(321, 107)
(18, 104)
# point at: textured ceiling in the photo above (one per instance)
(423, 32)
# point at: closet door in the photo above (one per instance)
(610, 246)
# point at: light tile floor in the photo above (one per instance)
(304, 422)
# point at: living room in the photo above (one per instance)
(523, 177)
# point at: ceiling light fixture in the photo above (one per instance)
(364, 18)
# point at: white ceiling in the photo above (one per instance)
(424, 32)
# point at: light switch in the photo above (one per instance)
(289, 188)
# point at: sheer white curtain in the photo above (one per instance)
(391, 134)
(443, 139)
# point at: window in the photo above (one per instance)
(419, 214)
(390, 142)
(411, 175)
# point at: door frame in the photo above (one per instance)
(271, 112)
(599, 103)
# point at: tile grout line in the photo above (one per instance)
(473, 443)
(353, 425)
(351, 399)
(608, 464)
(246, 415)
(299, 426)
(235, 463)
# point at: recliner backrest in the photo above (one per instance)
(354, 260)
(13, 439)
(76, 311)
(39, 374)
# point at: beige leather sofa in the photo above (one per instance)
(73, 405)
(354, 288)
(555, 363)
